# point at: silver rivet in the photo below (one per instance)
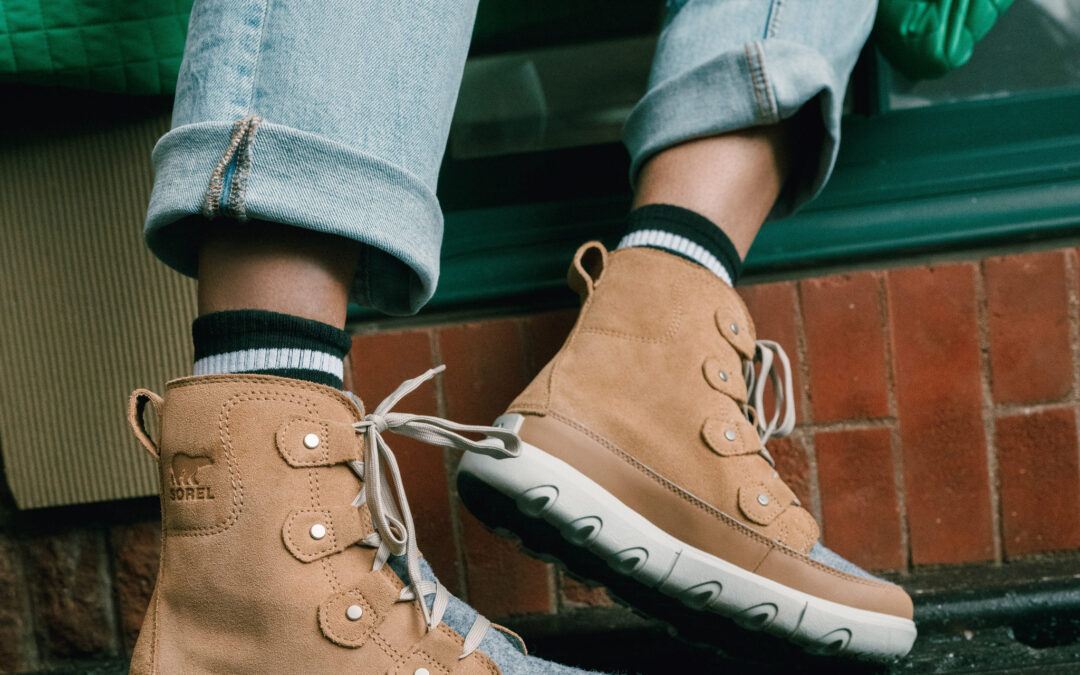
(318, 531)
(763, 500)
(723, 376)
(354, 612)
(729, 434)
(421, 671)
(734, 329)
(311, 441)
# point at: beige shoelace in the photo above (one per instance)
(782, 421)
(384, 492)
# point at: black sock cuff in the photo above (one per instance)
(235, 330)
(690, 225)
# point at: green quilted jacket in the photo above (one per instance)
(121, 46)
(135, 46)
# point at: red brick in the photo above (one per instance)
(1040, 482)
(381, 362)
(135, 549)
(793, 466)
(545, 335)
(1028, 321)
(845, 343)
(485, 371)
(503, 581)
(932, 321)
(860, 511)
(73, 613)
(16, 639)
(772, 307)
(576, 594)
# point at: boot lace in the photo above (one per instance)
(769, 354)
(384, 492)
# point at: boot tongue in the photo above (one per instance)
(458, 616)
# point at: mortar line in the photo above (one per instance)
(896, 448)
(807, 439)
(982, 326)
(1013, 409)
(449, 467)
(850, 425)
(1072, 294)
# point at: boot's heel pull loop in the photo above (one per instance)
(588, 266)
(136, 410)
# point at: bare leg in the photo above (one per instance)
(280, 269)
(732, 179)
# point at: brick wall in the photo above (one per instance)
(938, 425)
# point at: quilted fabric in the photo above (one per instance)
(120, 46)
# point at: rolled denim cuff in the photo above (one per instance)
(761, 83)
(305, 180)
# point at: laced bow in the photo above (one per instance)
(782, 422)
(384, 493)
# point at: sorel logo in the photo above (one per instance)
(184, 485)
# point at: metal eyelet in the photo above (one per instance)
(723, 376)
(730, 435)
(318, 531)
(735, 328)
(354, 612)
(763, 500)
(311, 441)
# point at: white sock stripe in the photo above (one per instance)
(678, 244)
(272, 358)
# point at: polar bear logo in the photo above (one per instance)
(185, 468)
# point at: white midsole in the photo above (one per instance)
(590, 516)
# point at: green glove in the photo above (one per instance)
(928, 38)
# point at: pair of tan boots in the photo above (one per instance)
(636, 456)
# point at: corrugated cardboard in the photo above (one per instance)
(86, 313)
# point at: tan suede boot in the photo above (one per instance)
(643, 445)
(271, 562)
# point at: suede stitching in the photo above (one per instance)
(734, 388)
(752, 486)
(331, 547)
(426, 659)
(264, 380)
(705, 278)
(157, 596)
(236, 480)
(672, 330)
(708, 508)
(330, 574)
(385, 645)
(297, 460)
(715, 444)
(327, 626)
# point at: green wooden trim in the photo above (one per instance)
(941, 178)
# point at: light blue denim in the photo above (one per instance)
(723, 65)
(333, 116)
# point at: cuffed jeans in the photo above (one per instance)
(333, 116)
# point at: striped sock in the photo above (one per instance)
(255, 341)
(684, 233)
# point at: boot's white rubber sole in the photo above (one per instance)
(590, 517)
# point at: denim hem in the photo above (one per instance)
(305, 180)
(760, 83)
